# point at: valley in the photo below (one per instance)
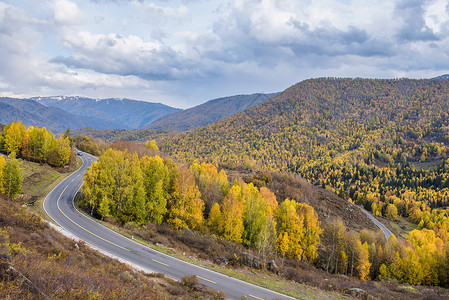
(224, 150)
(271, 188)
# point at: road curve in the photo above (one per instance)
(382, 227)
(59, 206)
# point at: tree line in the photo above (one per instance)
(35, 144)
(422, 259)
(122, 186)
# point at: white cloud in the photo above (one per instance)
(436, 16)
(66, 13)
(124, 55)
(161, 48)
(27, 71)
(160, 15)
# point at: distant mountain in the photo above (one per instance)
(30, 113)
(444, 76)
(129, 114)
(209, 112)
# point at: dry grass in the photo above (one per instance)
(42, 263)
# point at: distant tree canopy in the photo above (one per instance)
(86, 144)
(36, 144)
(421, 259)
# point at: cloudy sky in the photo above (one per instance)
(185, 52)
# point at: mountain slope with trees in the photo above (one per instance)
(378, 143)
(209, 112)
(129, 114)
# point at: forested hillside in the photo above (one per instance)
(340, 133)
(209, 112)
(378, 143)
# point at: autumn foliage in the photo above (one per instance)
(35, 144)
(382, 144)
(154, 190)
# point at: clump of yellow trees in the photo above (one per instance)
(32, 143)
(36, 144)
(151, 189)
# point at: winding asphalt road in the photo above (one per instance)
(382, 227)
(59, 206)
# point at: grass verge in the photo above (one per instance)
(39, 180)
(267, 280)
(400, 227)
(275, 283)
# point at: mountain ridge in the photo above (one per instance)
(128, 113)
(208, 112)
(33, 113)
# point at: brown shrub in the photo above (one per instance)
(190, 281)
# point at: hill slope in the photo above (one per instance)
(129, 114)
(209, 112)
(30, 112)
(365, 139)
(37, 262)
(319, 113)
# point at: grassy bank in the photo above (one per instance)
(38, 180)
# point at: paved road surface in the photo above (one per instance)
(384, 229)
(59, 206)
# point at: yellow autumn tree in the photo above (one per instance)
(271, 203)
(428, 249)
(363, 263)
(391, 212)
(185, 207)
(116, 179)
(215, 221)
(311, 234)
(212, 184)
(60, 151)
(156, 181)
(254, 214)
(266, 238)
(293, 224)
(12, 177)
(14, 136)
(92, 187)
(232, 214)
(283, 244)
(2, 169)
(152, 145)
